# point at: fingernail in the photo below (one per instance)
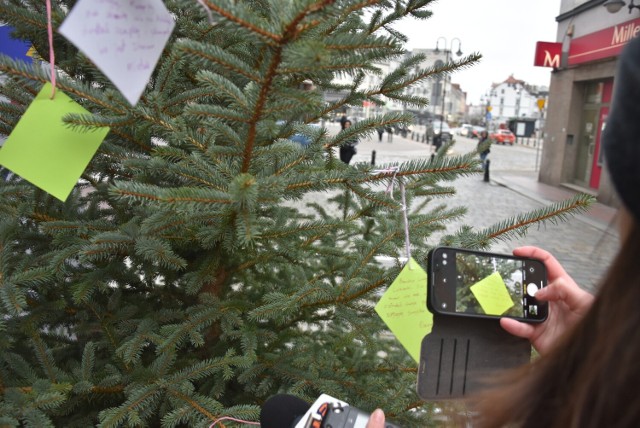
(377, 415)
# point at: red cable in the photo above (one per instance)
(232, 419)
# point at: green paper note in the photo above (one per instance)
(403, 307)
(492, 294)
(47, 152)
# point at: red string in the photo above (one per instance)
(52, 58)
(232, 419)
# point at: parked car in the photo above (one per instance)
(476, 130)
(503, 136)
(465, 130)
(433, 132)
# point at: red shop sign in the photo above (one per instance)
(548, 54)
(604, 43)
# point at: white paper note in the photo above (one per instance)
(124, 39)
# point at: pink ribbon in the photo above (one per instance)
(52, 58)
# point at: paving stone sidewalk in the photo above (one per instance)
(584, 244)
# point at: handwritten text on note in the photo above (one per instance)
(124, 38)
(492, 294)
(403, 307)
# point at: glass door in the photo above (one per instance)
(586, 146)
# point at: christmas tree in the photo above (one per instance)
(205, 261)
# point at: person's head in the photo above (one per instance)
(347, 124)
(621, 136)
(591, 377)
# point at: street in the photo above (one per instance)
(584, 244)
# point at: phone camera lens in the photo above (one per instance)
(532, 269)
(444, 306)
(444, 262)
(444, 255)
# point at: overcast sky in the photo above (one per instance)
(505, 32)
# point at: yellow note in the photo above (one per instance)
(403, 308)
(44, 150)
(492, 294)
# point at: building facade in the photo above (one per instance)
(446, 99)
(514, 99)
(580, 90)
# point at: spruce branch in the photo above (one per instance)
(194, 403)
(216, 55)
(137, 399)
(391, 86)
(554, 213)
(206, 257)
(245, 18)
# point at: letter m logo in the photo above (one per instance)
(551, 60)
(548, 54)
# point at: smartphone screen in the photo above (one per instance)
(475, 283)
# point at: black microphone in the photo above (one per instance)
(282, 411)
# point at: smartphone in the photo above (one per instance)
(338, 416)
(480, 284)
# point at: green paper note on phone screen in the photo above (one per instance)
(44, 150)
(492, 294)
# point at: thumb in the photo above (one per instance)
(376, 420)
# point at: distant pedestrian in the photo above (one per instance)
(389, 130)
(343, 120)
(437, 142)
(380, 133)
(483, 148)
(348, 148)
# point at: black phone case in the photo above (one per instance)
(461, 354)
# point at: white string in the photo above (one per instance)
(207, 10)
(407, 244)
(391, 169)
(405, 216)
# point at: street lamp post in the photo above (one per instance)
(444, 84)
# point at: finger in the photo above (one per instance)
(565, 291)
(376, 420)
(517, 328)
(554, 268)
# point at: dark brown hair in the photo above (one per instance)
(591, 378)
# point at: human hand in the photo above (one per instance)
(376, 420)
(568, 304)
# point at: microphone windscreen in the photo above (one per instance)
(282, 411)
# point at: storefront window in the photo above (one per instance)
(593, 92)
